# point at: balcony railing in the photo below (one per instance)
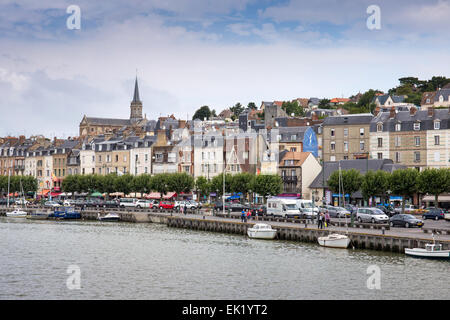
(289, 179)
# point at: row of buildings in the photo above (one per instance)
(263, 141)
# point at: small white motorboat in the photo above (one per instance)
(109, 217)
(334, 240)
(262, 231)
(17, 213)
(432, 250)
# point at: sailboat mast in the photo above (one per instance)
(9, 181)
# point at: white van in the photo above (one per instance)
(306, 208)
(282, 207)
(127, 202)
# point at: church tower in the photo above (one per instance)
(136, 105)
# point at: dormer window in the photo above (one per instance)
(398, 127)
(416, 126)
(379, 127)
(428, 100)
(437, 125)
(441, 98)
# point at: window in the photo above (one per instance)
(333, 146)
(117, 158)
(292, 150)
(398, 127)
(332, 132)
(99, 159)
(416, 156)
(293, 137)
(417, 126)
(437, 125)
(436, 140)
(124, 158)
(345, 157)
(361, 145)
(345, 145)
(397, 157)
(345, 132)
(380, 155)
(361, 132)
(380, 142)
(417, 141)
(398, 141)
(332, 158)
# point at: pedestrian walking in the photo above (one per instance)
(185, 209)
(249, 214)
(243, 215)
(327, 218)
(320, 220)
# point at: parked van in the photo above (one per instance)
(127, 202)
(282, 207)
(306, 208)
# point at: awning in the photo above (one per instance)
(117, 194)
(157, 195)
(55, 194)
(44, 192)
(96, 194)
(14, 194)
(443, 198)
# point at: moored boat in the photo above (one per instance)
(262, 231)
(16, 213)
(39, 215)
(112, 216)
(432, 250)
(334, 240)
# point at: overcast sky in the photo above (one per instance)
(190, 53)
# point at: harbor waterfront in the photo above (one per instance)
(153, 261)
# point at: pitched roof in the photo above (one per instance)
(108, 121)
(136, 92)
(298, 157)
(360, 118)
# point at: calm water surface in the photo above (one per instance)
(152, 261)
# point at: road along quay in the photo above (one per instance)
(363, 236)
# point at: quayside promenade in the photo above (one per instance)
(362, 235)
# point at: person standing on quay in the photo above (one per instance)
(243, 215)
(320, 220)
(327, 219)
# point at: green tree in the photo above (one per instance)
(324, 104)
(124, 183)
(160, 183)
(237, 109)
(70, 183)
(292, 107)
(109, 183)
(404, 182)
(217, 183)
(252, 106)
(202, 113)
(242, 182)
(180, 182)
(351, 181)
(202, 186)
(267, 185)
(141, 184)
(375, 183)
(433, 182)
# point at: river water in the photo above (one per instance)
(152, 261)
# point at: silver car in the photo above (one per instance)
(373, 215)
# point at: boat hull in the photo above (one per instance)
(38, 216)
(334, 243)
(422, 253)
(262, 234)
(16, 214)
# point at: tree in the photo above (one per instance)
(141, 184)
(292, 107)
(180, 182)
(123, 183)
(70, 183)
(242, 182)
(237, 110)
(160, 183)
(375, 183)
(267, 185)
(109, 183)
(202, 186)
(202, 113)
(252, 106)
(434, 182)
(403, 182)
(217, 183)
(324, 104)
(351, 181)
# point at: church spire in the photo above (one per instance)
(136, 92)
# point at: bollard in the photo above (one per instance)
(382, 230)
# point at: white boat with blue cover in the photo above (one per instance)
(262, 231)
(16, 213)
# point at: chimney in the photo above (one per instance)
(430, 111)
(375, 112)
(412, 111)
(392, 113)
(21, 139)
(314, 116)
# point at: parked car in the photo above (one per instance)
(409, 208)
(185, 203)
(51, 204)
(166, 205)
(405, 220)
(338, 212)
(127, 202)
(143, 204)
(373, 215)
(433, 213)
(69, 202)
(258, 209)
(388, 210)
(351, 208)
(21, 202)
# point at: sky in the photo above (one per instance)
(190, 53)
